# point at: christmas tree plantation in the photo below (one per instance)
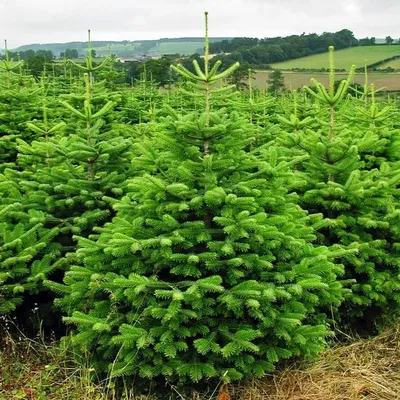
(199, 233)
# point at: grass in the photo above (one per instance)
(344, 59)
(38, 369)
(295, 80)
(184, 48)
(31, 369)
(365, 369)
(395, 64)
(116, 48)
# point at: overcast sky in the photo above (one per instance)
(44, 21)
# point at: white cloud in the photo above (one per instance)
(43, 21)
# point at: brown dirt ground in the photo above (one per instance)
(297, 80)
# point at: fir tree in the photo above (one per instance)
(139, 104)
(19, 96)
(65, 181)
(208, 269)
(22, 241)
(358, 202)
(90, 68)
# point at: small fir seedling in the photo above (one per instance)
(331, 97)
(9, 66)
(89, 66)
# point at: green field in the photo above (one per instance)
(126, 49)
(395, 64)
(184, 48)
(344, 59)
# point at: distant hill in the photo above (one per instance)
(126, 48)
(257, 52)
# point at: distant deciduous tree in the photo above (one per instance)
(159, 70)
(36, 65)
(133, 71)
(46, 54)
(69, 54)
(367, 41)
(389, 40)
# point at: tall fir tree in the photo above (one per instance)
(19, 96)
(356, 192)
(208, 269)
(65, 180)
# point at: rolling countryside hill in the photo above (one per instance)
(344, 59)
(126, 48)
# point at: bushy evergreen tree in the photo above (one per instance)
(139, 104)
(357, 197)
(65, 181)
(208, 269)
(23, 239)
(19, 97)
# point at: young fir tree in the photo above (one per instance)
(23, 239)
(19, 96)
(139, 105)
(375, 116)
(90, 67)
(276, 82)
(358, 203)
(66, 180)
(114, 75)
(255, 104)
(208, 269)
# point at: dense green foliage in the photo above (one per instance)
(262, 52)
(199, 232)
(308, 44)
(352, 180)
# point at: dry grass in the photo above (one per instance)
(32, 371)
(367, 369)
(38, 369)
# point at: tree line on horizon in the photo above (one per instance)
(262, 52)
